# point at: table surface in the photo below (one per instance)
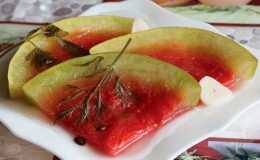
(12, 147)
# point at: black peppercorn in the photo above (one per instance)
(80, 140)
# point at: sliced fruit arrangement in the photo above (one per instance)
(199, 52)
(112, 99)
(58, 42)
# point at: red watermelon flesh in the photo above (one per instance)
(48, 49)
(124, 124)
(84, 39)
(156, 92)
(199, 52)
(194, 61)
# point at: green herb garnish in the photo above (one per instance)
(52, 30)
(48, 30)
(39, 54)
(72, 48)
(85, 107)
(41, 59)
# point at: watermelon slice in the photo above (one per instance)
(83, 32)
(137, 96)
(199, 52)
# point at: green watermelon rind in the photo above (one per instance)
(20, 70)
(41, 86)
(240, 61)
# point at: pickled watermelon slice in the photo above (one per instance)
(199, 52)
(84, 32)
(140, 95)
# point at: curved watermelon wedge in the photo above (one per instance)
(199, 52)
(140, 95)
(84, 32)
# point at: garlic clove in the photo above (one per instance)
(139, 25)
(213, 92)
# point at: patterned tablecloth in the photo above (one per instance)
(42, 11)
(13, 148)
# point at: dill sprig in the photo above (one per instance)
(72, 48)
(40, 58)
(85, 107)
(122, 91)
(49, 30)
